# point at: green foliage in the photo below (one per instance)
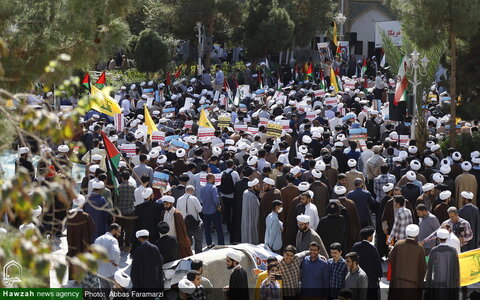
(151, 53)
(136, 16)
(38, 31)
(132, 43)
(465, 143)
(309, 16)
(268, 28)
(119, 78)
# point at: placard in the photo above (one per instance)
(160, 180)
(150, 101)
(285, 125)
(239, 127)
(204, 132)
(170, 138)
(349, 116)
(311, 115)
(168, 110)
(119, 121)
(216, 96)
(129, 149)
(403, 140)
(252, 130)
(188, 124)
(263, 121)
(203, 179)
(330, 101)
(144, 129)
(158, 136)
(274, 130)
(177, 144)
(223, 121)
(319, 93)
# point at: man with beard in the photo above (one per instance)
(147, 216)
(428, 196)
(269, 194)
(469, 212)
(237, 287)
(320, 193)
(289, 194)
(353, 220)
(306, 235)
(175, 221)
(250, 213)
(109, 241)
(240, 187)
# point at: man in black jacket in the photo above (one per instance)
(166, 244)
(370, 261)
(147, 262)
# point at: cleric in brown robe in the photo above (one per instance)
(80, 228)
(270, 194)
(407, 260)
(388, 214)
(290, 224)
(175, 220)
(353, 220)
(320, 194)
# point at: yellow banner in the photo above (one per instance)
(469, 267)
(149, 121)
(274, 130)
(104, 103)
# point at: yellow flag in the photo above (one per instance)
(333, 80)
(335, 41)
(469, 267)
(148, 121)
(104, 104)
(203, 120)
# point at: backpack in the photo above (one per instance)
(226, 185)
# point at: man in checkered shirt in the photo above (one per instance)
(289, 268)
(403, 218)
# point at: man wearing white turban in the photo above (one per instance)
(250, 213)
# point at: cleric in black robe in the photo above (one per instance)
(370, 261)
(470, 213)
(240, 187)
(147, 217)
(332, 228)
(238, 284)
(147, 263)
(166, 244)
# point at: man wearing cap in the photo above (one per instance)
(250, 213)
(465, 182)
(408, 266)
(237, 287)
(370, 261)
(267, 197)
(80, 229)
(24, 162)
(470, 213)
(427, 224)
(147, 216)
(349, 210)
(443, 270)
(352, 174)
(178, 229)
(306, 235)
(99, 209)
(403, 218)
(147, 263)
(107, 269)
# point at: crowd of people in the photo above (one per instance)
(336, 190)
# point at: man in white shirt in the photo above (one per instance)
(109, 241)
(365, 156)
(126, 105)
(188, 204)
(145, 181)
(310, 208)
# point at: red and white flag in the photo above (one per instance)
(402, 83)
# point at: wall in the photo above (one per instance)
(364, 26)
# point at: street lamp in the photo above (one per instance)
(418, 66)
(198, 28)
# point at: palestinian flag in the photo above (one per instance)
(310, 71)
(102, 80)
(365, 84)
(86, 81)
(112, 160)
(364, 68)
(322, 80)
(227, 89)
(402, 83)
(267, 68)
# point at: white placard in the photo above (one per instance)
(129, 149)
(158, 136)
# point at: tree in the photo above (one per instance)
(450, 19)
(268, 28)
(309, 16)
(36, 32)
(151, 53)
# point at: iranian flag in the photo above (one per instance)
(402, 83)
(322, 80)
(112, 160)
(364, 68)
(228, 90)
(102, 80)
(86, 81)
(310, 71)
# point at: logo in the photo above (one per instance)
(12, 272)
